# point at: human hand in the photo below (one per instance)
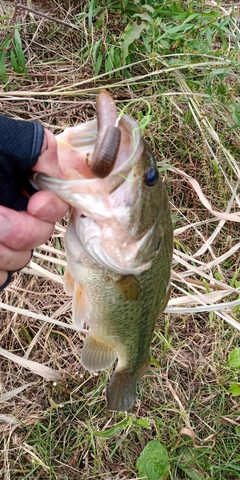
(22, 231)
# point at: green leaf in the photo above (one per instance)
(98, 63)
(209, 35)
(219, 71)
(143, 16)
(2, 67)
(112, 431)
(178, 29)
(131, 34)
(222, 89)
(234, 389)
(192, 474)
(3, 54)
(237, 429)
(153, 461)
(143, 422)
(5, 17)
(60, 269)
(59, 244)
(91, 14)
(234, 358)
(236, 116)
(14, 63)
(189, 117)
(189, 464)
(19, 52)
(148, 7)
(108, 64)
(114, 55)
(117, 59)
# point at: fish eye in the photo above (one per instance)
(151, 176)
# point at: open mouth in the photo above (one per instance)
(115, 153)
(106, 151)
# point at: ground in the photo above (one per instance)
(189, 80)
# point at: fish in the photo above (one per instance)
(119, 246)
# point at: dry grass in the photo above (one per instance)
(65, 431)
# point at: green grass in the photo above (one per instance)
(182, 59)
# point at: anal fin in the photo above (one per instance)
(97, 355)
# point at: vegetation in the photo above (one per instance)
(174, 66)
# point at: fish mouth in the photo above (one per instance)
(84, 138)
(104, 143)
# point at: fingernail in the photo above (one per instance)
(38, 207)
(46, 209)
(4, 226)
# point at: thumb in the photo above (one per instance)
(46, 206)
(47, 162)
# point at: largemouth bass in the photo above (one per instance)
(119, 244)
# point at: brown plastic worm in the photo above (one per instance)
(109, 136)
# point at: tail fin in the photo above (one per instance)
(121, 392)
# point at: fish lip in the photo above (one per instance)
(125, 122)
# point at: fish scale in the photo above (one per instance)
(118, 265)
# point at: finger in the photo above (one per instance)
(20, 231)
(10, 260)
(46, 206)
(72, 162)
(60, 158)
(3, 277)
(48, 160)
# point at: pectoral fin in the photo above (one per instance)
(129, 287)
(79, 307)
(97, 355)
(68, 283)
(79, 303)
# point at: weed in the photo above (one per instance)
(12, 50)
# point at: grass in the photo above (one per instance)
(183, 59)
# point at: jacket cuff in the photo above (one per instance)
(20, 144)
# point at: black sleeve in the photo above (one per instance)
(20, 147)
